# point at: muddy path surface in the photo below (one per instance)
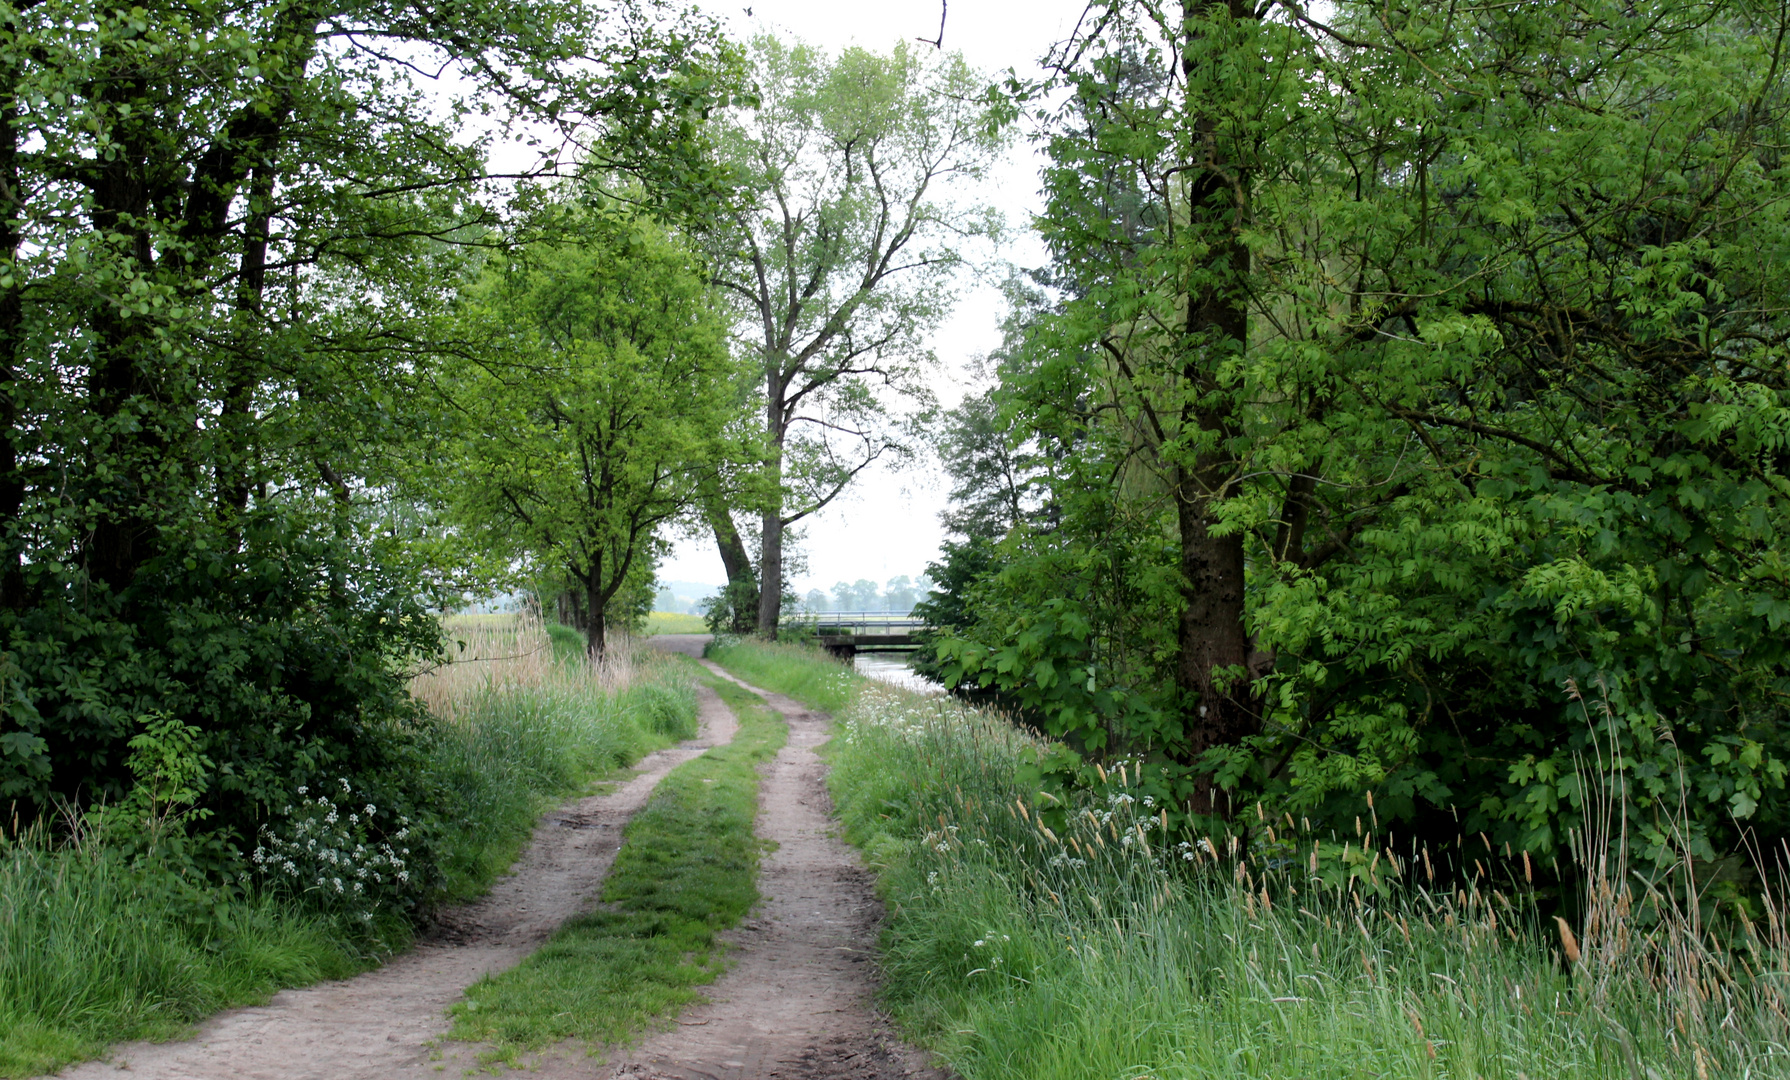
(797, 1000)
(383, 1024)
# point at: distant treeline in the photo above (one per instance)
(899, 593)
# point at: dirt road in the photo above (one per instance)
(797, 1002)
(381, 1025)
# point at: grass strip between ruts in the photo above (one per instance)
(803, 672)
(686, 870)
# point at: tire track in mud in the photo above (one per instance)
(384, 1024)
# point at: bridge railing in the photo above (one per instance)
(839, 622)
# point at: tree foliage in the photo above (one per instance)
(842, 257)
(1496, 448)
(228, 238)
(592, 408)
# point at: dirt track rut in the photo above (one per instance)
(797, 1002)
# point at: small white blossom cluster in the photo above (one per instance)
(1191, 851)
(326, 853)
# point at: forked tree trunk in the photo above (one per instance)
(742, 581)
(770, 552)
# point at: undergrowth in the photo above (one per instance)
(103, 942)
(685, 872)
(1099, 948)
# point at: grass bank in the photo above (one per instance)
(801, 671)
(100, 944)
(1095, 948)
(685, 872)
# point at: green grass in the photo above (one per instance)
(95, 951)
(1072, 955)
(804, 672)
(685, 872)
(90, 951)
(675, 622)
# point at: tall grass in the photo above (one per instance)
(99, 945)
(1096, 947)
(91, 950)
(525, 720)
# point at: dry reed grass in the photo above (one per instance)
(488, 654)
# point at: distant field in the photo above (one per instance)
(672, 622)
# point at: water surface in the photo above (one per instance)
(892, 667)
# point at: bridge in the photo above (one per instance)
(846, 633)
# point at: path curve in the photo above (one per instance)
(797, 1000)
(381, 1025)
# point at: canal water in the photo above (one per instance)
(892, 667)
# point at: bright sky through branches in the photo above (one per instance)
(888, 524)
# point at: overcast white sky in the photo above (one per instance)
(888, 523)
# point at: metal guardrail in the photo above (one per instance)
(865, 622)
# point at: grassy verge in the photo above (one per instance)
(97, 946)
(685, 872)
(803, 672)
(1089, 947)
(507, 752)
(91, 951)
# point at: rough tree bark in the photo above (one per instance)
(1212, 666)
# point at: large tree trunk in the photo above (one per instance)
(770, 585)
(1212, 668)
(235, 469)
(742, 580)
(12, 322)
(770, 552)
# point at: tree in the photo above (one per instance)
(1445, 352)
(595, 409)
(899, 594)
(228, 234)
(843, 257)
